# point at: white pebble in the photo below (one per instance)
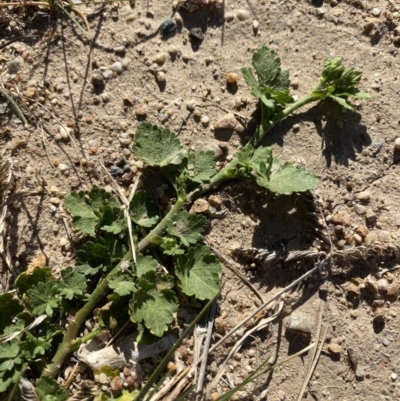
(376, 12)
(161, 77)
(65, 132)
(393, 376)
(63, 167)
(191, 105)
(117, 67)
(242, 15)
(364, 195)
(229, 16)
(256, 24)
(397, 143)
(63, 241)
(205, 120)
(107, 74)
(124, 141)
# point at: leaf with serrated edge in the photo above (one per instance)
(143, 211)
(72, 283)
(157, 147)
(287, 178)
(268, 69)
(152, 304)
(201, 165)
(43, 298)
(86, 207)
(187, 227)
(198, 273)
(145, 264)
(122, 284)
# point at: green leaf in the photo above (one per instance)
(198, 273)
(9, 309)
(26, 281)
(114, 313)
(287, 178)
(116, 227)
(201, 166)
(44, 298)
(9, 350)
(154, 303)
(170, 246)
(339, 83)
(342, 102)
(157, 147)
(122, 283)
(268, 69)
(7, 379)
(145, 264)
(72, 283)
(143, 211)
(47, 387)
(252, 82)
(187, 227)
(94, 254)
(127, 395)
(87, 208)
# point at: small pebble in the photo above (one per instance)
(397, 143)
(200, 206)
(379, 315)
(63, 167)
(256, 24)
(354, 314)
(353, 290)
(359, 373)
(334, 348)
(63, 241)
(140, 113)
(232, 78)
(393, 376)
(15, 65)
(97, 79)
(393, 290)
(299, 321)
(117, 67)
(55, 201)
(65, 132)
(125, 141)
(362, 231)
(229, 16)
(360, 209)
(385, 341)
(197, 34)
(376, 11)
(364, 195)
(382, 285)
(242, 15)
(228, 121)
(160, 76)
(168, 26)
(205, 120)
(160, 58)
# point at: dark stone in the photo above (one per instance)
(168, 27)
(196, 33)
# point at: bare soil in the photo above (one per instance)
(350, 153)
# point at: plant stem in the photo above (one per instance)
(68, 344)
(311, 97)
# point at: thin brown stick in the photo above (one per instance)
(277, 295)
(15, 106)
(314, 356)
(240, 275)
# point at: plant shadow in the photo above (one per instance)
(342, 135)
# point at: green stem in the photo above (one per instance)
(281, 115)
(68, 344)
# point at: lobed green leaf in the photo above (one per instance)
(198, 273)
(157, 147)
(143, 210)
